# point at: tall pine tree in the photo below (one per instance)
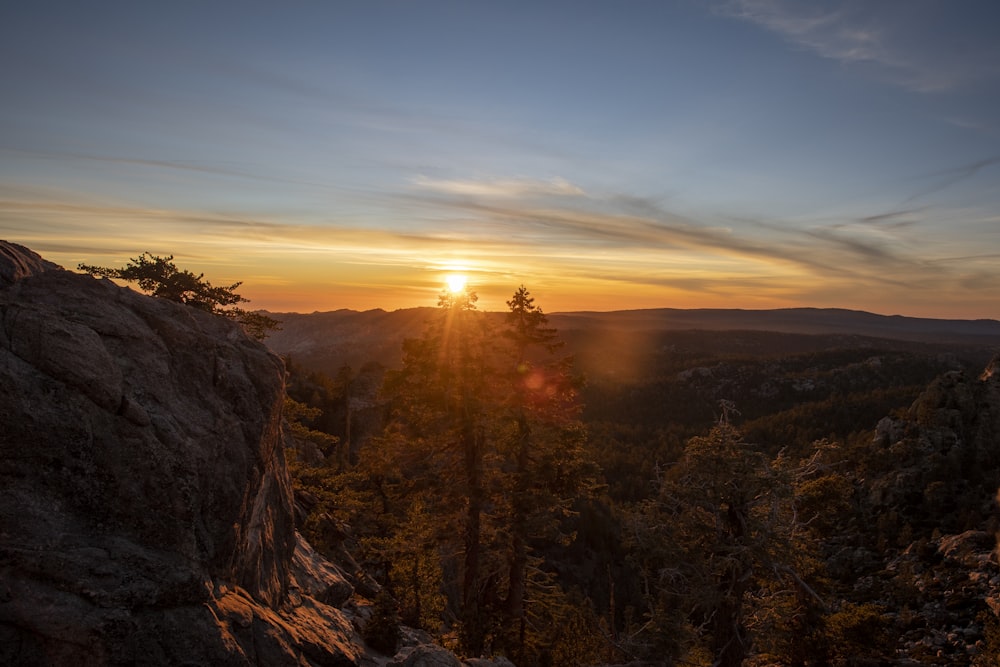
(543, 454)
(442, 398)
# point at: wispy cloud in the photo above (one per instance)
(212, 168)
(900, 218)
(611, 225)
(499, 188)
(903, 42)
(568, 239)
(945, 178)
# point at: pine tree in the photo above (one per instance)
(485, 434)
(443, 399)
(718, 545)
(544, 456)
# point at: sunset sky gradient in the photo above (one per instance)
(608, 155)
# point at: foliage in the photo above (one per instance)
(297, 416)
(857, 631)
(257, 325)
(989, 656)
(381, 631)
(160, 277)
(484, 439)
(720, 549)
(416, 575)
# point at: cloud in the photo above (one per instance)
(920, 46)
(606, 226)
(892, 219)
(829, 33)
(214, 168)
(947, 177)
(565, 240)
(499, 188)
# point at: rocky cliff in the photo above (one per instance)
(928, 551)
(145, 506)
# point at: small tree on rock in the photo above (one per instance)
(160, 277)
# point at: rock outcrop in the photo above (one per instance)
(929, 490)
(146, 511)
(937, 467)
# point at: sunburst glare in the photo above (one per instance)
(456, 282)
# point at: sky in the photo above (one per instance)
(607, 155)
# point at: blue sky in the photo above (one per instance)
(608, 155)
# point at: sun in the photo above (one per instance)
(456, 282)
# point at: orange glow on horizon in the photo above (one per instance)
(324, 279)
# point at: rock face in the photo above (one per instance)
(938, 465)
(145, 506)
(930, 489)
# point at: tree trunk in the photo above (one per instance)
(518, 560)
(418, 613)
(472, 622)
(729, 636)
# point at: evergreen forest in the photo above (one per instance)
(733, 498)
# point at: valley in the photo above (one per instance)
(896, 480)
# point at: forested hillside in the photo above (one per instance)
(663, 497)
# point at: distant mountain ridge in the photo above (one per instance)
(329, 340)
(790, 320)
